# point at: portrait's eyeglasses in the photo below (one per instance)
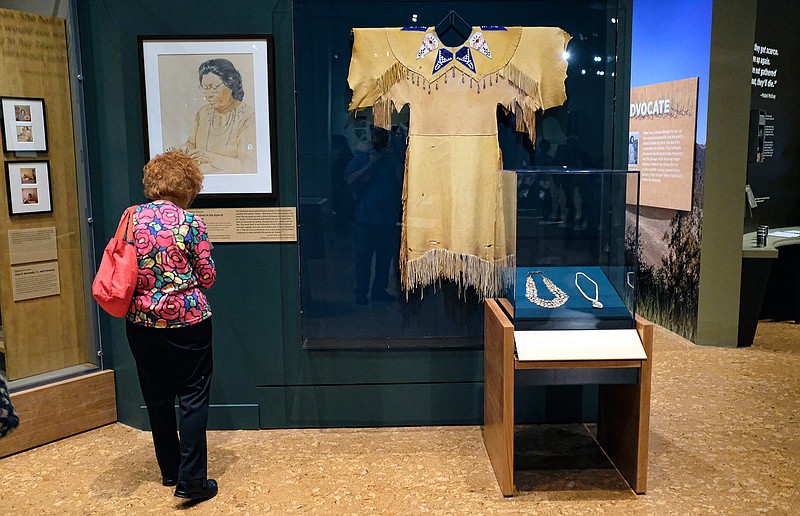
(211, 89)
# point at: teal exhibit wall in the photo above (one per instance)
(255, 282)
(263, 378)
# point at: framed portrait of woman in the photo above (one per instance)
(24, 128)
(212, 98)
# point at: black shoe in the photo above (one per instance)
(196, 489)
(361, 299)
(382, 295)
(169, 482)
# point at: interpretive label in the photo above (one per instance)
(663, 123)
(37, 280)
(32, 245)
(765, 70)
(250, 224)
(769, 137)
(32, 46)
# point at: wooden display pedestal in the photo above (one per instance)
(623, 409)
(61, 409)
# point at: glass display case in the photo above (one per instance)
(338, 219)
(576, 237)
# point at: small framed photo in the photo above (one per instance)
(213, 99)
(28, 187)
(24, 128)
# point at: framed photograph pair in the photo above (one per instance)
(212, 98)
(28, 187)
(24, 128)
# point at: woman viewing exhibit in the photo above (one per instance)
(223, 136)
(169, 321)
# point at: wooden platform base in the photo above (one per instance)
(623, 424)
(61, 409)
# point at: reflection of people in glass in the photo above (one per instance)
(343, 205)
(223, 137)
(528, 196)
(376, 181)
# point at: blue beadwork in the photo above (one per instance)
(464, 56)
(443, 57)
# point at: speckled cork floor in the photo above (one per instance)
(724, 440)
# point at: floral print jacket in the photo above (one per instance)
(174, 265)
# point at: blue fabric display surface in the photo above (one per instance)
(576, 306)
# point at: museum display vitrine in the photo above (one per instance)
(354, 297)
(576, 249)
(47, 326)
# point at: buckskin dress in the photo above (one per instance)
(455, 226)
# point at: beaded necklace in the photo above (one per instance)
(532, 294)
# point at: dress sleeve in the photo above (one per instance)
(200, 252)
(373, 71)
(538, 68)
(541, 66)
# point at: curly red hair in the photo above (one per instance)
(172, 174)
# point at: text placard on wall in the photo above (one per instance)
(35, 280)
(250, 224)
(663, 124)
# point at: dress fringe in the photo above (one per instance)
(403, 259)
(526, 113)
(490, 279)
(382, 113)
(382, 107)
(390, 77)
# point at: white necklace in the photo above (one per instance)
(596, 300)
(532, 295)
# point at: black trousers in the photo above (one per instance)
(175, 362)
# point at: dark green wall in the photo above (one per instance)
(263, 377)
(256, 289)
